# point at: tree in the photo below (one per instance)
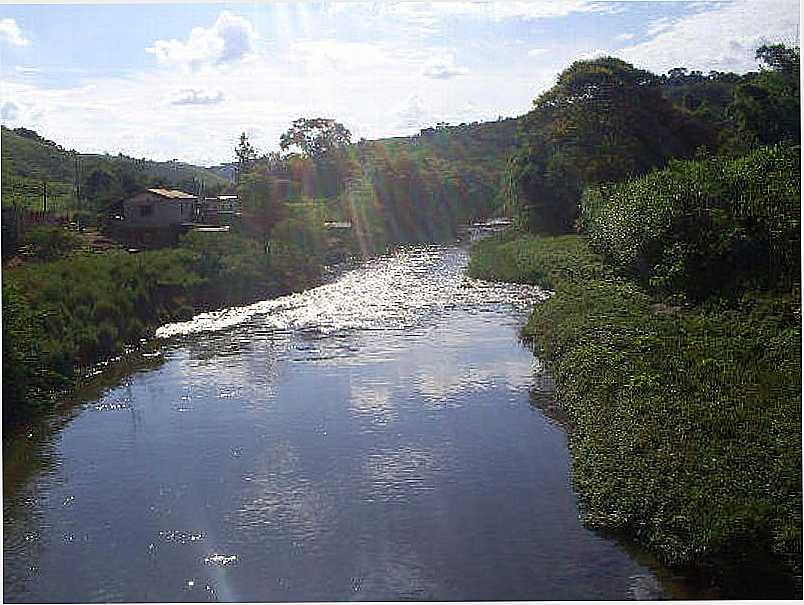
(245, 154)
(263, 199)
(102, 188)
(603, 121)
(315, 137)
(766, 106)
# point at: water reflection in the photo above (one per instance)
(372, 439)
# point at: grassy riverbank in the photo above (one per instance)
(686, 420)
(60, 317)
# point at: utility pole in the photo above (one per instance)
(44, 196)
(78, 191)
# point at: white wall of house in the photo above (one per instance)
(150, 210)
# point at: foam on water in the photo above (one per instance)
(389, 292)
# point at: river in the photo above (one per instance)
(381, 438)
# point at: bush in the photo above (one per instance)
(523, 258)
(704, 228)
(687, 426)
(50, 243)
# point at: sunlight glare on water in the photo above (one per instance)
(390, 292)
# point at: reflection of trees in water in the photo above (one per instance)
(31, 452)
(542, 397)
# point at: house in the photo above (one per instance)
(159, 208)
(156, 217)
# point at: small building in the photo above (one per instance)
(159, 208)
(156, 217)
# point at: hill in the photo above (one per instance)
(29, 159)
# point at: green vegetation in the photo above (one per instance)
(50, 242)
(401, 190)
(674, 333)
(685, 422)
(527, 259)
(603, 121)
(711, 227)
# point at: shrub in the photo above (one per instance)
(49, 242)
(704, 228)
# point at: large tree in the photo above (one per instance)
(315, 136)
(603, 121)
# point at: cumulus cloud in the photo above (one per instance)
(11, 33)
(443, 68)
(229, 39)
(195, 96)
(722, 37)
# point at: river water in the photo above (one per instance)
(378, 438)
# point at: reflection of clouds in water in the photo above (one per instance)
(234, 365)
(373, 404)
(401, 473)
(437, 383)
(404, 575)
(279, 495)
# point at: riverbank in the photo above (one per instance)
(63, 316)
(686, 420)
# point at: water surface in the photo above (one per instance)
(371, 439)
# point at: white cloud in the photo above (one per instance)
(229, 39)
(11, 33)
(329, 53)
(9, 111)
(624, 37)
(537, 52)
(195, 96)
(590, 55)
(426, 17)
(720, 36)
(443, 68)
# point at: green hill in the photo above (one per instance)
(28, 159)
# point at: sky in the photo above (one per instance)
(182, 81)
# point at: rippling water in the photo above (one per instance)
(375, 438)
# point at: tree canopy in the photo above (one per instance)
(315, 136)
(604, 120)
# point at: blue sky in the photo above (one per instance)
(183, 80)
